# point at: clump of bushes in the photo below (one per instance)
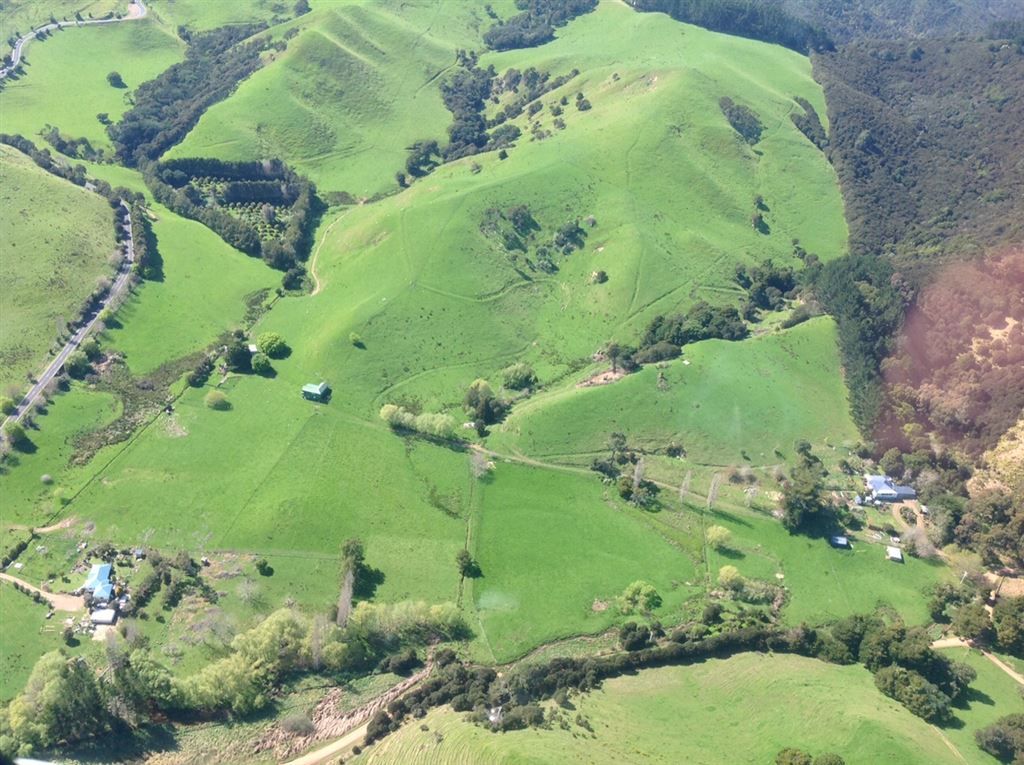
(401, 419)
(273, 345)
(217, 401)
(639, 597)
(519, 376)
(260, 363)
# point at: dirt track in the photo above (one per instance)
(58, 601)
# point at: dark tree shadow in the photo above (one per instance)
(731, 554)
(367, 581)
(732, 518)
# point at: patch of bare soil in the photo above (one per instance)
(174, 428)
(602, 378)
(599, 606)
(330, 721)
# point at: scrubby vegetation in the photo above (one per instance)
(536, 24)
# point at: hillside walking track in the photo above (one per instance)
(136, 10)
(90, 319)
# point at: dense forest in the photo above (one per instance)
(166, 108)
(536, 24)
(755, 19)
(847, 20)
(926, 139)
(959, 370)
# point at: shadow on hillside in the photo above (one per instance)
(731, 517)
(731, 553)
(367, 582)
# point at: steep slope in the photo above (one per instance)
(356, 85)
(57, 240)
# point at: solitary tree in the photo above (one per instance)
(718, 537)
(114, 78)
(467, 566)
(730, 577)
(261, 364)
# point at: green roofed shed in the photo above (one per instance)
(316, 392)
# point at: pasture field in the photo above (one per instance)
(21, 16)
(359, 81)
(555, 550)
(202, 15)
(28, 634)
(733, 403)
(27, 500)
(65, 82)
(280, 476)
(993, 695)
(438, 303)
(57, 240)
(824, 583)
(719, 712)
(201, 295)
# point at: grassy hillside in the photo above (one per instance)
(730, 399)
(65, 82)
(438, 303)
(994, 694)
(201, 295)
(23, 15)
(57, 240)
(202, 15)
(359, 82)
(414, 297)
(680, 714)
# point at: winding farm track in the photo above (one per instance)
(58, 601)
(955, 642)
(89, 321)
(136, 10)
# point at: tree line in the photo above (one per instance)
(901, 658)
(170, 105)
(73, 699)
(536, 23)
(745, 18)
(270, 181)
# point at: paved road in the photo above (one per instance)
(88, 323)
(136, 10)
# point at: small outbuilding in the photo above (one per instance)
(894, 554)
(316, 392)
(103, 616)
(840, 542)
